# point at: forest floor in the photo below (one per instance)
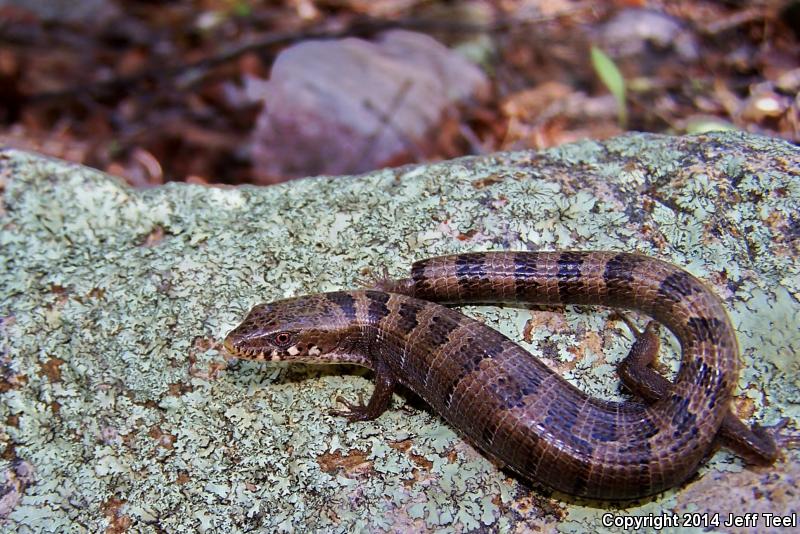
(173, 91)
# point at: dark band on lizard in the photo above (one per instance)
(511, 405)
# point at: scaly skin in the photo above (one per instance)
(509, 404)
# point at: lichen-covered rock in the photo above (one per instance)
(118, 412)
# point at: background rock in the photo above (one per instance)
(352, 105)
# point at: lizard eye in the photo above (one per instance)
(282, 339)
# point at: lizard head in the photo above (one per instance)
(312, 329)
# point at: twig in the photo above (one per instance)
(386, 123)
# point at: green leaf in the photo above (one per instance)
(242, 9)
(610, 75)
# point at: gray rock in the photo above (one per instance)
(351, 105)
(117, 409)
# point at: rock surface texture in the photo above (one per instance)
(119, 413)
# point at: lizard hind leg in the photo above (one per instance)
(757, 444)
(636, 370)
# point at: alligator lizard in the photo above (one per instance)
(506, 402)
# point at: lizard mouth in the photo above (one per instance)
(238, 352)
(231, 349)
